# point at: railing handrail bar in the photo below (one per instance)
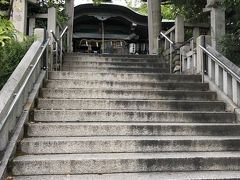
(169, 40)
(64, 31)
(16, 98)
(221, 63)
(184, 43)
(54, 36)
(59, 24)
(170, 30)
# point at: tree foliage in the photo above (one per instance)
(230, 44)
(7, 32)
(192, 10)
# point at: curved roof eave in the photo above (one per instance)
(111, 10)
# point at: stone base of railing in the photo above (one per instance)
(19, 130)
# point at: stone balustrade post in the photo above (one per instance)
(201, 40)
(19, 17)
(52, 25)
(32, 21)
(217, 22)
(179, 30)
(69, 8)
(52, 21)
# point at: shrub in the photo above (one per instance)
(7, 32)
(10, 55)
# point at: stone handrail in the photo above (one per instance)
(214, 67)
(15, 102)
(223, 73)
(172, 51)
(188, 60)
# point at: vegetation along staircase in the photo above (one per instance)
(127, 118)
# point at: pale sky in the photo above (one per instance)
(120, 2)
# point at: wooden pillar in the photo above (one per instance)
(154, 25)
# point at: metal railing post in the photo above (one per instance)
(61, 53)
(56, 56)
(59, 49)
(171, 58)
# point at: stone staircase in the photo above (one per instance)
(126, 118)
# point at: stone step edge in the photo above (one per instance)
(155, 74)
(102, 156)
(194, 175)
(127, 90)
(130, 138)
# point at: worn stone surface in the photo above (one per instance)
(127, 94)
(126, 85)
(67, 145)
(139, 77)
(153, 105)
(125, 162)
(150, 125)
(132, 116)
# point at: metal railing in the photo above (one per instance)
(172, 49)
(22, 88)
(17, 96)
(58, 49)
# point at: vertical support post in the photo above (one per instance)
(41, 35)
(61, 53)
(236, 91)
(19, 17)
(179, 29)
(227, 84)
(166, 44)
(201, 40)
(103, 43)
(52, 22)
(217, 22)
(69, 8)
(218, 76)
(154, 25)
(217, 26)
(211, 69)
(171, 51)
(32, 21)
(171, 58)
(196, 34)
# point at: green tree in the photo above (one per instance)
(230, 44)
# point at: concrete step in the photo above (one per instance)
(126, 85)
(146, 59)
(131, 77)
(115, 69)
(194, 175)
(131, 116)
(152, 105)
(127, 94)
(125, 162)
(132, 129)
(107, 64)
(132, 144)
